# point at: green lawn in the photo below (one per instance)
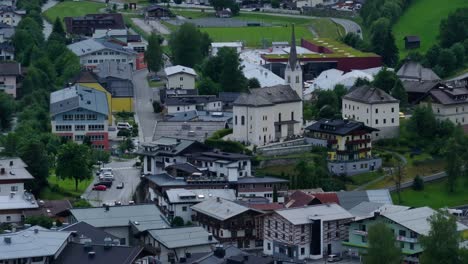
(63, 189)
(434, 195)
(326, 28)
(253, 36)
(422, 18)
(71, 8)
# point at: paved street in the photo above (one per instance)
(47, 26)
(123, 172)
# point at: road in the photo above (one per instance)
(47, 26)
(123, 172)
(144, 96)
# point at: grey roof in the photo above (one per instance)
(114, 69)
(370, 95)
(88, 46)
(246, 180)
(266, 96)
(120, 215)
(228, 97)
(10, 68)
(419, 87)
(177, 146)
(195, 115)
(190, 130)
(448, 96)
(304, 215)
(185, 167)
(338, 126)
(75, 253)
(198, 195)
(459, 77)
(85, 230)
(220, 209)
(367, 209)
(118, 87)
(232, 255)
(190, 99)
(17, 170)
(18, 201)
(7, 32)
(185, 237)
(415, 71)
(412, 38)
(164, 179)
(78, 96)
(417, 219)
(27, 243)
(350, 199)
(179, 69)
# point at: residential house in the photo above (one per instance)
(265, 77)
(177, 104)
(349, 145)
(271, 114)
(78, 112)
(229, 254)
(7, 51)
(460, 80)
(216, 46)
(100, 253)
(414, 71)
(228, 99)
(417, 91)
(408, 226)
(33, 245)
(14, 198)
(10, 77)
(412, 42)
(96, 25)
(83, 232)
(375, 108)
(198, 130)
(157, 12)
(180, 77)
(165, 93)
(449, 103)
(91, 52)
(10, 15)
(124, 222)
(174, 243)
(6, 32)
(7, 2)
(310, 232)
(116, 78)
(222, 164)
(134, 42)
(229, 222)
(54, 209)
(178, 202)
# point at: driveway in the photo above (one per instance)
(123, 172)
(144, 96)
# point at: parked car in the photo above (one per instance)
(155, 79)
(120, 185)
(106, 176)
(99, 188)
(108, 184)
(102, 170)
(333, 258)
(124, 125)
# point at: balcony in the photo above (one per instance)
(358, 141)
(6, 87)
(359, 232)
(406, 239)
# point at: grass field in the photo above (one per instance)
(422, 18)
(71, 8)
(60, 189)
(253, 36)
(434, 195)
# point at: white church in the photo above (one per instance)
(271, 114)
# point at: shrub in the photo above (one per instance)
(40, 220)
(157, 108)
(123, 133)
(177, 221)
(418, 183)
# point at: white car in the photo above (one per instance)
(333, 258)
(124, 125)
(106, 176)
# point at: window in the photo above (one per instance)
(276, 235)
(402, 245)
(302, 238)
(292, 115)
(124, 60)
(393, 109)
(284, 236)
(67, 117)
(242, 120)
(384, 121)
(279, 117)
(337, 234)
(269, 223)
(79, 117)
(393, 120)
(14, 188)
(302, 251)
(96, 137)
(411, 246)
(95, 127)
(235, 120)
(376, 110)
(276, 224)
(268, 246)
(402, 233)
(284, 226)
(184, 208)
(63, 128)
(297, 79)
(302, 228)
(268, 233)
(181, 78)
(80, 127)
(376, 121)
(91, 117)
(79, 137)
(289, 79)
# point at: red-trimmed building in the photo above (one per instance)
(78, 112)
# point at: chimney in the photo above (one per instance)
(7, 239)
(218, 199)
(246, 258)
(188, 254)
(219, 251)
(36, 230)
(182, 260)
(210, 237)
(107, 208)
(91, 254)
(376, 214)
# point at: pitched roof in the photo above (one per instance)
(220, 209)
(15, 169)
(91, 45)
(84, 230)
(114, 69)
(304, 215)
(327, 197)
(179, 69)
(415, 71)
(266, 96)
(78, 96)
(350, 199)
(412, 38)
(85, 76)
(417, 219)
(49, 208)
(298, 199)
(10, 68)
(367, 209)
(420, 87)
(338, 126)
(75, 253)
(266, 206)
(173, 238)
(190, 99)
(370, 95)
(260, 179)
(450, 96)
(198, 195)
(28, 243)
(120, 215)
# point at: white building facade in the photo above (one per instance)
(375, 108)
(180, 77)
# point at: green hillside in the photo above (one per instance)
(422, 18)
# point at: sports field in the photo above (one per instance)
(72, 8)
(422, 18)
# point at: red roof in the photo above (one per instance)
(298, 199)
(327, 197)
(267, 207)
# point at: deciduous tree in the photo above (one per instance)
(382, 248)
(7, 108)
(184, 53)
(73, 161)
(154, 54)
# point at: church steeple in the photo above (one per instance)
(292, 51)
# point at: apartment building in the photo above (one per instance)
(449, 103)
(96, 25)
(10, 77)
(180, 77)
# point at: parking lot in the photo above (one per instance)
(123, 172)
